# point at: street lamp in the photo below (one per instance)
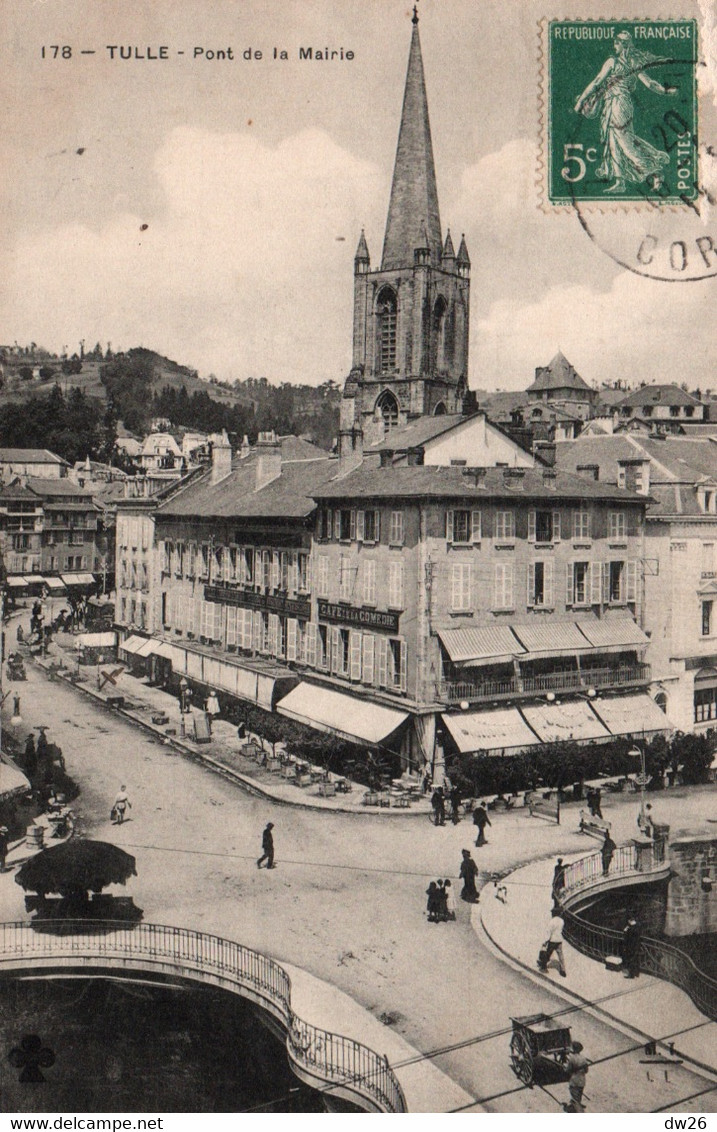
(639, 753)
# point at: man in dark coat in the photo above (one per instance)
(608, 850)
(267, 844)
(558, 879)
(481, 820)
(438, 801)
(455, 797)
(631, 948)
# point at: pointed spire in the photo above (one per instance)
(449, 254)
(362, 260)
(414, 196)
(464, 260)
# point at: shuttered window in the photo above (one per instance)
(461, 586)
(503, 586)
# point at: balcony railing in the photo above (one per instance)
(337, 1060)
(454, 691)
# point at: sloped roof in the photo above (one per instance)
(423, 481)
(15, 490)
(558, 374)
(59, 489)
(657, 395)
(418, 432)
(289, 496)
(30, 456)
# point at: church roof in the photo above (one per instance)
(558, 374)
(448, 249)
(362, 249)
(463, 256)
(414, 196)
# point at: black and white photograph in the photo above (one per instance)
(358, 561)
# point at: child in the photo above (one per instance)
(450, 900)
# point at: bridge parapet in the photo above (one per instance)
(324, 1059)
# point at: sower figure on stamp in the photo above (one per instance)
(625, 156)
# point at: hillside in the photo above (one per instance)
(140, 385)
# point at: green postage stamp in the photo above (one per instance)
(620, 115)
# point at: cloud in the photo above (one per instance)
(639, 330)
(245, 270)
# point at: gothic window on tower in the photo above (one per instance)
(386, 310)
(387, 406)
(438, 326)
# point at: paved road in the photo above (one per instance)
(346, 902)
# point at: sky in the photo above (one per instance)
(210, 209)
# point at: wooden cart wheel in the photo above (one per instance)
(521, 1055)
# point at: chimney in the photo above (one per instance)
(350, 450)
(268, 460)
(221, 457)
(386, 457)
(549, 478)
(545, 451)
(245, 448)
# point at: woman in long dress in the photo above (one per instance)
(625, 156)
(468, 873)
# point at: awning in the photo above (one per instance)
(631, 715)
(96, 640)
(12, 780)
(132, 644)
(34, 579)
(613, 634)
(492, 645)
(146, 647)
(161, 648)
(346, 716)
(16, 582)
(78, 579)
(54, 584)
(550, 638)
(504, 729)
(559, 723)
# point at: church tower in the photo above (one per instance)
(410, 335)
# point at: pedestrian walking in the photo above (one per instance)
(4, 844)
(438, 802)
(554, 944)
(481, 820)
(468, 873)
(442, 904)
(558, 879)
(455, 797)
(590, 799)
(120, 806)
(647, 825)
(607, 851)
(597, 803)
(451, 906)
(432, 902)
(631, 941)
(427, 780)
(576, 1067)
(212, 709)
(267, 844)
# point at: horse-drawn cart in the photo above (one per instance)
(538, 1041)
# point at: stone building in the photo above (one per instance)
(561, 385)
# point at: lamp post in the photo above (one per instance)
(639, 753)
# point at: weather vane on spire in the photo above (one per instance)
(415, 15)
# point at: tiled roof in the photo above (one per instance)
(60, 489)
(289, 496)
(657, 395)
(15, 490)
(558, 374)
(419, 432)
(454, 482)
(30, 456)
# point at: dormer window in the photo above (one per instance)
(707, 499)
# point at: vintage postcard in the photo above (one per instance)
(358, 560)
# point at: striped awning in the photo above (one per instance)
(78, 579)
(12, 780)
(54, 584)
(631, 715)
(613, 633)
(549, 638)
(491, 645)
(133, 644)
(489, 731)
(559, 723)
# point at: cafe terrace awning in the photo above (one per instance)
(631, 715)
(96, 640)
(548, 639)
(78, 579)
(492, 645)
(12, 780)
(500, 730)
(342, 715)
(559, 723)
(16, 582)
(133, 644)
(55, 584)
(613, 634)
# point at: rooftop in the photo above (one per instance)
(30, 456)
(558, 374)
(657, 395)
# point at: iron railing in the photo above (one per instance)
(338, 1060)
(453, 691)
(657, 957)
